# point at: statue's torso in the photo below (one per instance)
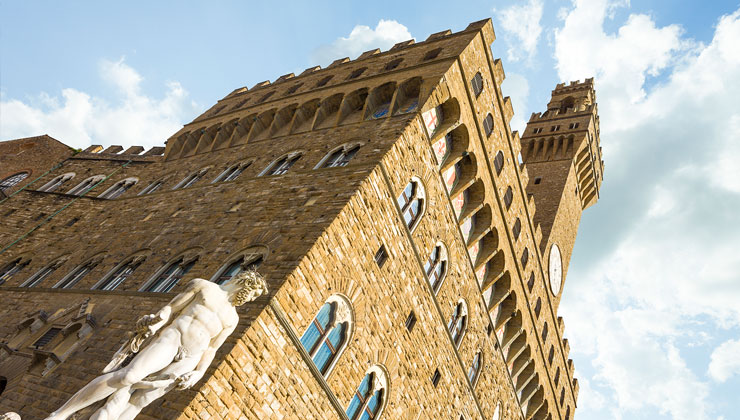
(205, 317)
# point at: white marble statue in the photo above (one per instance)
(170, 349)
(10, 416)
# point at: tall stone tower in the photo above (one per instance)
(562, 153)
(406, 249)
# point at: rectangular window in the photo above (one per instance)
(410, 321)
(381, 256)
(436, 377)
(46, 338)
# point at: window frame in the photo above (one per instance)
(119, 188)
(89, 182)
(342, 314)
(181, 264)
(248, 256)
(378, 384)
(134, 262)
(11, 181)
(342, 157)
(417, 194)
(57, 182)
(291, 157)
(442, 261)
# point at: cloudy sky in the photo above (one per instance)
(652, 301)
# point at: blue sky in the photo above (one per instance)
(652, 300)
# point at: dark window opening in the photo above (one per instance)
(477, 84)
(525, 257)
(357, 73)
(530, 283)
(393, 64)
(517, 229)
(489, 329)
(324, 81)
(436, 377)
(46, 338)
(294, 88)
(381, 256)
(538, 307)
(73, 221)
(498, 162)
(431, 55)
(537, 180)
(488, 125)
(544, 332)
(551, 356)
(508, 198)
(410, 321)
(267, 96)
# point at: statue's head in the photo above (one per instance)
(250, 285)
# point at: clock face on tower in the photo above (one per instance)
(556, 269)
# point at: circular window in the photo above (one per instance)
(556, 269)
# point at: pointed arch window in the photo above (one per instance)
(488, 125)
(508, 198)
(282, 165)
(170, 275)
(154, 186)
(12, 181)
(78, 274)
(498, 162)
(458, 323)
(369, 398)
(119, 188)
(340, 157)
(191, 179)
(250, 259)
(436, 267)
(12, 268)
(232, 172)
(327, 335)
(43, 274)
(475, 368)
(411, 202)
(477, 84)
(86, 185)
(57, 182)
(120, 274)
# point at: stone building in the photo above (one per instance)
(414, 246)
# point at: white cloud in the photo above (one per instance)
(725, 361)
(516, 86)
(79, 119)
(361, 39)
(522, 21)
(667, 221)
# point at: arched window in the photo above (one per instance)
(120, 274)
(327, 335)
(498, 162)
(78, 274)
(458, 323)
(436, 267)
(525, 257)
(12, 181)
(517, 229)
(191, 179)
(154, 186)
(411, 202)
(475, 368)
(567, 412)
(119, 188)
(86, 185)
(44, 273)
(538, 307)
(488, 125)
(477, 84)
(282, 165)
(551, 355)
(508, 198)
(12, 268)
(57, 182)
(250, 259)
(557, 375)
(544, 332)
(232, 172)
(369, 398)
(170, 275)
(339, 157)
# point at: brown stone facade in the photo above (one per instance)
(449, 302)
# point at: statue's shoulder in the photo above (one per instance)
(199, 284)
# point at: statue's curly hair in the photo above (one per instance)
(253, 285)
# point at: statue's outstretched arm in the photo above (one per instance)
(191, 378)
